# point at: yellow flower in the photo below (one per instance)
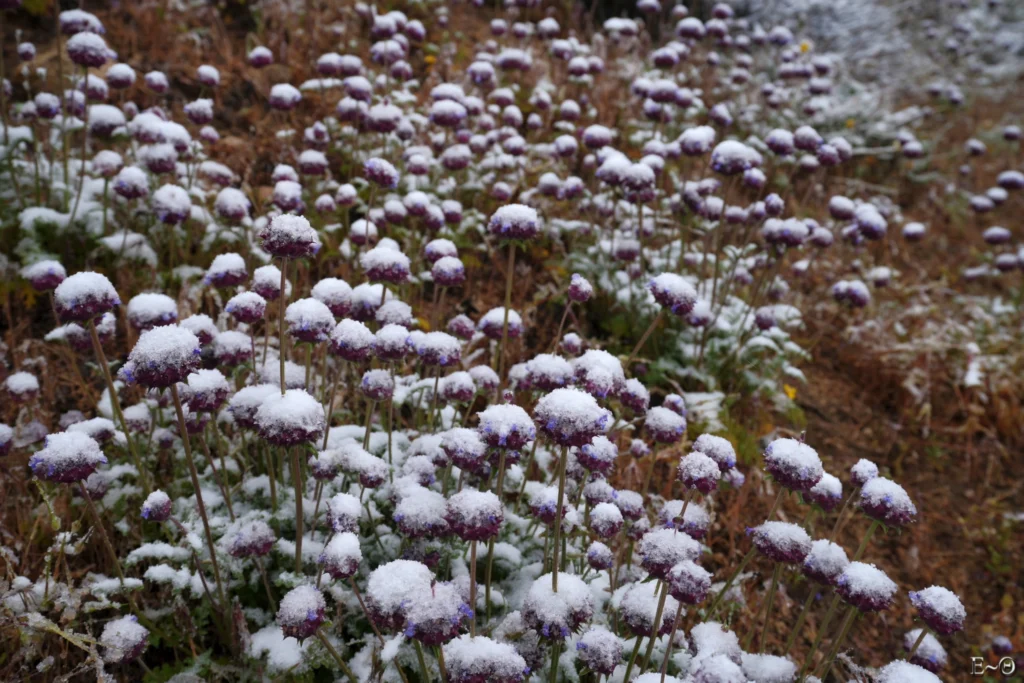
(430, 59)
(790, 391)
(850, 123)
(805, 46)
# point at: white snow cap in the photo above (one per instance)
(794, 460)
(471, 658)
(19, 383)
(397, 582)
(84, 287)
(122, 639)
(761, 668)
(295, 409)
(559, 612)
(905, 672)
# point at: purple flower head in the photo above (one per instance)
(886, 501)
(825, 562)
(84, 296)
(673, 292)
(162, 356)
(252, 539)
(475, 515)
(781, 542)
(301, 612)
(793, 464)
(866, 587)
(514, 222)
(571, 417)
(67, 457)
(689, 583)
(940, 609)
(289, 236)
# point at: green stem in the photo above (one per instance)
(768, 609)
(423, 663)
(508, 305)
(851, 615)
(472, 586)
(917, 643)
(337, 658)
(632, 657)
(282, 347)
(199, 495)
(643, 339)
(558, 518)
(490, 542)
(297, 480)
(818, 638)
(671, 639)
(799, 622)
(728, 584)
(657, 625)
(115, 404)
(866, 539)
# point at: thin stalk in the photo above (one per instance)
(369, 421)
(508, 305)
(85, 143)
(842, 513)
(359, 597)
(433, 400)
(867, 538)
(728, 584)
(554, 661)
(220, 476)
(441, 665)
(643, 339)
(917, 643)
(272, 475)
(266, 584)
(561, 325)
(199, 494)
(632, 657)
(818, 638)
(671, 639)
(657, 625)
(472, 586)
(776, 504)
(297, 479)
(768, 608)
(558, 518)
(799, 622)
(97, 523)
(115, 403)
(337, 658)
(282, 347)
(844, 631)
(490, 543)
(650, 472)
(423, 663)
